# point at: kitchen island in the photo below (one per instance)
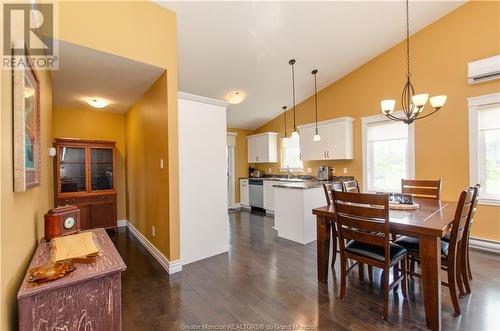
(293, 205)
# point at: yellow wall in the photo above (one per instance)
(148, 198)
(145, 32)
(439, 58)
(22, 213)
(101, 125)
(241, 159)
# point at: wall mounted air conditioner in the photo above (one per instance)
(484, 70)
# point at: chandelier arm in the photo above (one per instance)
(394, 118)
(419, 118)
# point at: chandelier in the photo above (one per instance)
(412, 104)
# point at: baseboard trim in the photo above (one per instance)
(485, 245)
(235, 206)
(121, 223)
(170, 266)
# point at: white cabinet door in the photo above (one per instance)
(253, 149)
(244, 193)
(339, 141)
(269, 195)
(311, 150)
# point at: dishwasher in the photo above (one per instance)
(256, 193)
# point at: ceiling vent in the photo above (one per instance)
(484, 70)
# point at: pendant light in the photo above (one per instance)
(412, 104)
(316, 137)
(284, 115)
(295, 133)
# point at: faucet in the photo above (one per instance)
(289, 172)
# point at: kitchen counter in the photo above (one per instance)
(309, 184)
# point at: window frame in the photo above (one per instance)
(475, 104)
(281, 158)
(380, 118)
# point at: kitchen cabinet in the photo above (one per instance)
(263, 148)
(244, 193)
(269, 195)
(336, 140)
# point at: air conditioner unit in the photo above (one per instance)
(484, 70)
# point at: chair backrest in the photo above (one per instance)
(351, 186)
(363, 217)
(462, 213)
(430, 189)
(472, 211)
(328, 188)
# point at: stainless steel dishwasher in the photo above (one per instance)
(256, 193)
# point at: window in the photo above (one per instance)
(388, 153)
(484, 146)
(290, 154)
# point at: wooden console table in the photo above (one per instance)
(89, 298)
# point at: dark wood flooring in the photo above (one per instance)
(271, 281)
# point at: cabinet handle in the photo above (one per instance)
(328, 154)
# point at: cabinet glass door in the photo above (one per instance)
(101, 169)
(72, 169)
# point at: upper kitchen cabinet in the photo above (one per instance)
(336, 140)
(263, 148)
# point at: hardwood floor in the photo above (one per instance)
(271, 281)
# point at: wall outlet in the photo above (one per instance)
(345, 171)
(52, 151)
(161, 163)
(270, 170)
(333, 170)
(153, 231)
(309, 170)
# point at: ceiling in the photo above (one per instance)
(85, 72)
(227, 46)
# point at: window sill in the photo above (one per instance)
(489, 202)
(292, 170)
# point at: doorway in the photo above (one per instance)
(231, 155)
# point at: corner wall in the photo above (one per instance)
(439, 58)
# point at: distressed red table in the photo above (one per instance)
(428, 223)
(89, 298)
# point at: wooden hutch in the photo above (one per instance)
(85, 177)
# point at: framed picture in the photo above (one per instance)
(26, 118)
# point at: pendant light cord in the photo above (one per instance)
(284, 115)
(316, 98)
(407, 40)
(292, 62)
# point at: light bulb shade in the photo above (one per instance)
(438, 101)
(295, 134)
(420, 100)
(387, 106)
(316, 137)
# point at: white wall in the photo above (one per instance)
(202, 178)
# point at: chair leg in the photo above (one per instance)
(404, 285)
(452, 284)
(334, 246)
(361, 271)
(395, 272)
(386, 294)
(469, 270)
(343, 276)
(370, 273)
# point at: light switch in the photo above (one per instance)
(270, 170)
(333, 170)
(161, 163)
(153, 231)
(52, 151)
(345, 171)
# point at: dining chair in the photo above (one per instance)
(466, 269)
(351, 186)
(328, 188)
(363, 220)
(430, 189)
(450, 251)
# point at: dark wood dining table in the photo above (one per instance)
(430, 222)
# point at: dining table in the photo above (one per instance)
(429, 222)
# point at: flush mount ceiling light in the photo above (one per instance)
(235, 97)
(412, 104)
(97, 102)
